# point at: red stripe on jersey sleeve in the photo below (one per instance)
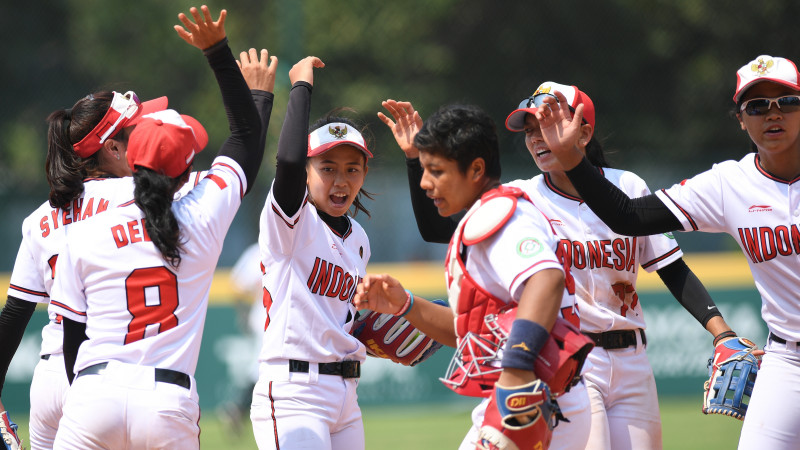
(61, 305)
(241, 184)
(27, 291)
(688, 217)
(218, 181)
(661, 258)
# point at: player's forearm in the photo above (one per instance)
(436, 321)
(541, 297)
(689, 291)
(641, 216)
(432, 227)
(243, 117)
(290, 173)
(13, 319)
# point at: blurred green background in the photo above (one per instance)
(661, 74)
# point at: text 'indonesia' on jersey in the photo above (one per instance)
(330, 280)
(618, 253)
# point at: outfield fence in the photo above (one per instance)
(678, 347)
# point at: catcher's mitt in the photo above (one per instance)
(732, 371)
(520, 417)
(392, 337)
(8, 432)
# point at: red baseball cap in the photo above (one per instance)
(125, 111)
(334, 134)
(516, 120)
(766, 68)
(166, 142)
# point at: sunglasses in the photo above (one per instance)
(535, 101)
(761, 106)
(126, 106)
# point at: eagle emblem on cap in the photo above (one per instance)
(339, 132)
(543, 89)
(761, 67)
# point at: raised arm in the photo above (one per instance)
(260, 77)
(290, 174)
(642, 216)
(243, 117)
(405, 123)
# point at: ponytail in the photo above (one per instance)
(153, 194)
(65, 169)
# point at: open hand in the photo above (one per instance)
(204, 32)
(560, 129)
(259, 74)
(406, 124)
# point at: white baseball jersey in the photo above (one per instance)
(501, 264)
(247, 281)
(44, 233)
(311, 274)
(138, 309)
(762, 213)
(604, 264)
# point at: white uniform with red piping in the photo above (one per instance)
(144, 319)
(507, 246)
(605, 266)
(310, 276)
(762, 213)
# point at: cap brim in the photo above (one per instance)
(325, 147)
(516, 120)
(741, 91)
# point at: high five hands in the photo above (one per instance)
(406, 124)
(561, 129)
(204, 32)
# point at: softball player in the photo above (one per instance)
(313, 255)
(86, 153)
(753, 199)
(516, 264)
(133, 376)
(604, 265)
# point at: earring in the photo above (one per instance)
(117, 156)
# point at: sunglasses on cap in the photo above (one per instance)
(537, 101)
(761, 106)
(126, 105)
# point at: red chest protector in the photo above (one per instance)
(471, 302)
(476, 364)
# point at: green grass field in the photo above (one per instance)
(437, 427)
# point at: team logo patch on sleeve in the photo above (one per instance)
(528, 247)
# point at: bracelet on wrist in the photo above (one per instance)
(723, 335)
(407, 307)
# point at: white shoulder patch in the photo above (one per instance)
(490, 216)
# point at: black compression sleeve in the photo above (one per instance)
(689, 291)
(289, 186)
(432, 227)
(13, 319)
(264, 101)
(74, 335)
(243, 117)
(641, 216)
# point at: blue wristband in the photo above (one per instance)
(523, 345)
